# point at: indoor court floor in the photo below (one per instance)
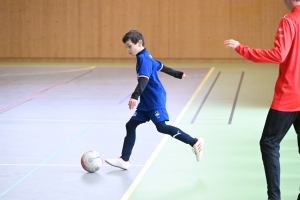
(51, 113)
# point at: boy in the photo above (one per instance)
(152, 104)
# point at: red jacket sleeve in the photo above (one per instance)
(283, 42)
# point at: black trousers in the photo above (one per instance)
(277, 125)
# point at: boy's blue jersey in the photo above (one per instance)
(154, 95)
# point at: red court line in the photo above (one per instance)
(4, 83)
(29, 98)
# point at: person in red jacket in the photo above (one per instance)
(285, 108)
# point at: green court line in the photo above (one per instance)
(163, 141)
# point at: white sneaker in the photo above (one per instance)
(118, 162)
(198, 148)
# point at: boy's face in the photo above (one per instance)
(134, 49)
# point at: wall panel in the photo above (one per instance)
(199, 28)
(5, 28)
(89, 26)
(120, 16)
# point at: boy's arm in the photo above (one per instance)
(139, 88)
(137, 92)
(172, 72)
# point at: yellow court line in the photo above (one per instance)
(163, 141)
(53, 72)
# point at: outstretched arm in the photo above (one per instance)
(137, 92)
(172, 72)
(283, 42)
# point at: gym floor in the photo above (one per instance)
(51, 113)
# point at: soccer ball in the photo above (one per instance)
(91, 161)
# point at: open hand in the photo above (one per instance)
(132, 103)
(183, 76)
(231, 43)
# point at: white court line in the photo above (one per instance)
(163, 141)
(53, 72)
(59, 165)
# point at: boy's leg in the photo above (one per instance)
(159, 116)
(129, 140)
(276, 126)
(196, 143)
(123, 161)
(175, 132)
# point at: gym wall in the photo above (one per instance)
(173, 29)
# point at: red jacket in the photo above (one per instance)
(287, 53)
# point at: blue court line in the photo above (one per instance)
(124, 99)
(46, 160)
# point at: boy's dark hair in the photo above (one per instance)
(134, 36)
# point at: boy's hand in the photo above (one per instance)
(183, 76)
(132, 103)
(231, 43)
